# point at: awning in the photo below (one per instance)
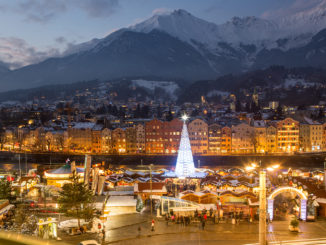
(6, 209)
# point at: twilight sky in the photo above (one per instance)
(31, 30)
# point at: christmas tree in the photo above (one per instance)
(185, 166)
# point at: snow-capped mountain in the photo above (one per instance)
(311, 20)
(182, 25)
(180, 46)
(188, 28)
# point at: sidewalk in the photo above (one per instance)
(123, 229)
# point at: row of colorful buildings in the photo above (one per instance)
(163, 137)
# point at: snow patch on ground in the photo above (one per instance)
(169, 87)
(293, 82)
(217, 93)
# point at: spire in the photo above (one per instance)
(185, 166)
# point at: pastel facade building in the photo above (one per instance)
(243, 137)
(226, 142)
(271, 139)
(118, 141)
(198, 134)
(311, 136)
(288, 135)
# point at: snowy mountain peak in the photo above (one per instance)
(248, 30)
(309, 20)
(182, 25)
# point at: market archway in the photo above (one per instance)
(303, 198)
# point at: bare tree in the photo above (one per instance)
(254, 141)
(61, 142)
(3, 138)
(48, 143)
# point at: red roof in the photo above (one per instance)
(146, 186)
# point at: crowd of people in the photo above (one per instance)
(205, 216)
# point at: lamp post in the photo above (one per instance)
(262, 200)
(151, 187)
(262, 207)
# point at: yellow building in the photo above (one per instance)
(311, 136)
(140, 137)
(131, 140)
(106, 140)
(243, 138)
(260, 141)
(80, 137)
(271, 139)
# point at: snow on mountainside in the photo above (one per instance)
(167, 86)
(248, 30)
(178, 46)
(81, 47)
(182, 25)
(292, 82)
(189, 28)
(290, 31)
(311, 20)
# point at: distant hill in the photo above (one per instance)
(292, 86)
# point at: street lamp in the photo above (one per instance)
(151, 187)
(262, 199)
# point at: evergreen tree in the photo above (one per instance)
(114, 110)
(320, 114)
(238, 106)
(140, 204)
(279, 112)
(159, 112)
(248, 107)
(169, 116)
(5, 190)
(75, 199)
(194, 113)
(122, 112)
(145, 111)
(137, 112)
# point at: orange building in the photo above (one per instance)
(154, 137)
(214, 139)
(287, 135)
(226, 140)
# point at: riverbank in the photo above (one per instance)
(302, 160)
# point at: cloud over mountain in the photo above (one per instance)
(44, 11)
(17, 52)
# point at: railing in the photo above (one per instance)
(19, 239)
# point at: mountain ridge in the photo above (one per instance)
(177, 46)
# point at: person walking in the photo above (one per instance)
(153, 225)
(139, 231)
(203, 224)
(167, 220)
(103, 233)
(210, 212)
